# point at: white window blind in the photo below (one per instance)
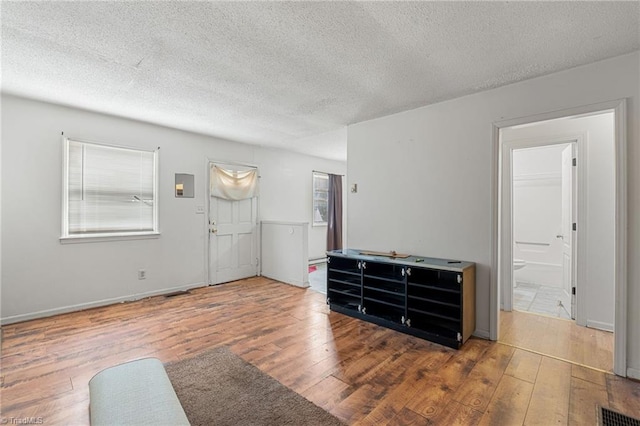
(109, 190)
(320, 198)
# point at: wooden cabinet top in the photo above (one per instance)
(416, 261)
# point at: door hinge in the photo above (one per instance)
(573, 291)
(575, 162)
(574, 226)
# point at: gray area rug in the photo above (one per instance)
(220, 388)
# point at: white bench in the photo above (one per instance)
(134, 393)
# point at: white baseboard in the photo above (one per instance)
(97, 303)
(633, 373)
(290, 281)
(317, 261)
(600, 325)
(483, 334)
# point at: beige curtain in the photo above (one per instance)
(233, 184)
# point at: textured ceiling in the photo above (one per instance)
(293, 74)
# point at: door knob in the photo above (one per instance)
(560, 236)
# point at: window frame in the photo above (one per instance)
(106, 236)
(322, 175)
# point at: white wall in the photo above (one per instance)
(283, 246)
(40, 276)
(285, 172)
(596, 225)
(425, 176)
(0, 221)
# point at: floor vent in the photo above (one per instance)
(608, 417)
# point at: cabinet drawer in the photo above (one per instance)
(345, 266)
(436, 309)
(444, 280)
(432, 323)
(384, 309)
(385, 286)
(345, 296)
(384, 297)
(340, 277)
(419, 292)
(347, 289)
(384, 271)
(349, 303)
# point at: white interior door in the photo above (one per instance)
(568, 234)
(232, 239)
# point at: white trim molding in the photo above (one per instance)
(499, 251)
(633, 373)
(210, 275)
(620, 320)
(96, 304)
(505, 230)
(600, 325)
(482, 334)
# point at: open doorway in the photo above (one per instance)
(558, 237)
(328, 213)
(543, 213)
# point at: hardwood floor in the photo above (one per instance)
(558, 338)
(362, 373)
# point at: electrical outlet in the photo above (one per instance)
(142, 274)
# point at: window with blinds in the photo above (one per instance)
(320, 198)
(109, 191)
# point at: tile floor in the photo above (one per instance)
(318, 278)
(541, 299)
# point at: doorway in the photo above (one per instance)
(233, 223)
(328, 213)
(596, 235)
(544, 205)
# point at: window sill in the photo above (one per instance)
(108, 237)
(319, 224)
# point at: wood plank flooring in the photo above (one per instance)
(559, 338)
(362, 373)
